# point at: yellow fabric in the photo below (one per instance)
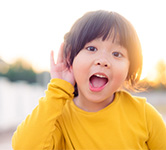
(129, 123)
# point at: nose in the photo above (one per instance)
(102, 62)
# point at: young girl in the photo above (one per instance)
(101, 54)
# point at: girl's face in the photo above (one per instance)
(100, 69)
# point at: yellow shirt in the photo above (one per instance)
(128, 123)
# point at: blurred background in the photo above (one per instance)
(29, 30)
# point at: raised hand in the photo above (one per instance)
(60, 70)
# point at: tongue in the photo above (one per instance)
(97, 82)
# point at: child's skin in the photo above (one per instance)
(105, 59)
(59, 70)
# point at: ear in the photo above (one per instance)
(66, 55)
(71, 68)
(67, 62)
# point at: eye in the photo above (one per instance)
(117, 54)
(91, 48)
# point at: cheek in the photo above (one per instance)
(126, 71)
(80, 62)
(76, 63)
(123, 71)
(78, 67)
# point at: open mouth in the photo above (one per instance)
(98, 81)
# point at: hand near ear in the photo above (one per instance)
(60, 70)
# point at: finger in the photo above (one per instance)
(60, 54)
(52, 62)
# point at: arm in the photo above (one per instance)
(39, 129)
(156, 128)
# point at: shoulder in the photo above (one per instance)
(139, 103)
(128, 98)
(133, 107)
(142, 112)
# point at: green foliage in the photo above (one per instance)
(20, 70)
(161, 72)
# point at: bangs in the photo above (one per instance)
(99, 25)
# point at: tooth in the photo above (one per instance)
(101, 76)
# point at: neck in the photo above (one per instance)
(91, 106)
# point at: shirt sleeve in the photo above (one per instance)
(39, 131)
(156, 128)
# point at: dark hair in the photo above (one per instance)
(103, 24)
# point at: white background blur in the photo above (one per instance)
(30, 29)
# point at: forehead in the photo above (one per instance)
(111, 37)
(111, 32)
